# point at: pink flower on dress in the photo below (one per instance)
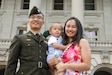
(76, 57)
(64, 58)
(77, 53)
(77, 72)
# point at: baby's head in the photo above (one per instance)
(56, 29)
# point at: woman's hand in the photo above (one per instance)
(54, 61)
(60, 67)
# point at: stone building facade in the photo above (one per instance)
(95, 15)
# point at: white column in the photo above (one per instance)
(78, 9)
(33, 3)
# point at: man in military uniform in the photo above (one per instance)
(30, 49)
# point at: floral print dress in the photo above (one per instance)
(72, 55)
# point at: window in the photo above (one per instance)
(89, 5)
(58, 4)
(91, 34)
(0, 3)
(21, 32)
(21, 29)
(25, 4)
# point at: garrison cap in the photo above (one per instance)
(35, 10)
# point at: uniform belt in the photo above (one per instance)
(39, 65)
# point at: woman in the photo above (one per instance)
(77, 57)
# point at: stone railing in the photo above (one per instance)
(4, 46)
(101, 45)
(5, 43)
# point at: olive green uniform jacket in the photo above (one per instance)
(30, 50)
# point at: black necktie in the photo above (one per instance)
(37, 35)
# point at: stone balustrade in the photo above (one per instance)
(100, 43)
(5, 43)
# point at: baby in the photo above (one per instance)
(55, 47)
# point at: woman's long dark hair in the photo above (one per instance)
(78, 35)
